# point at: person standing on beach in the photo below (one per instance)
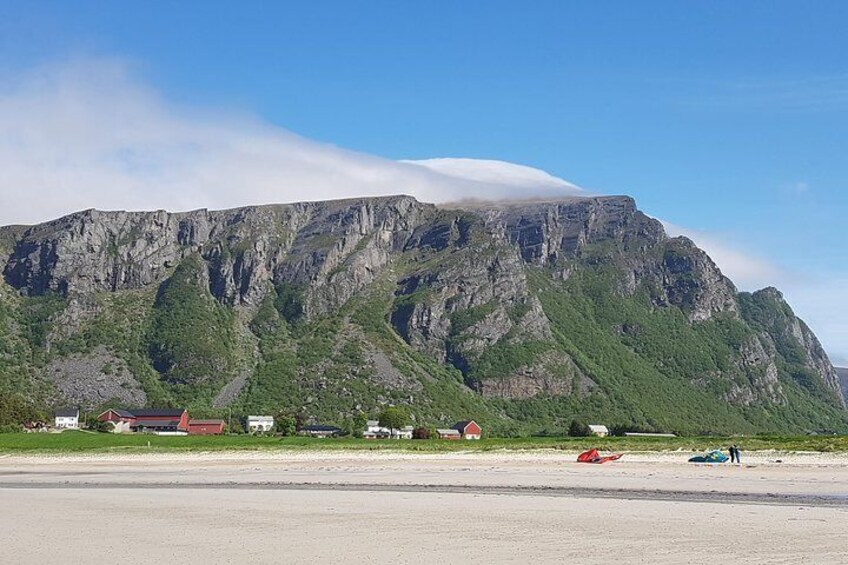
(738, 457)
(732, 450)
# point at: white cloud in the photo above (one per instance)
(498, 173)
(87, 134)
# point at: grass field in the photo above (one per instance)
(81, 442)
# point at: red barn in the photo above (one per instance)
(117, 416)
(161, 420)
(205, 427)
(468, 429)
(147, 419)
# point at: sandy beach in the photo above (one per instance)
(493, 507)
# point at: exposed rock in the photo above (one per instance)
(791, 337)
(693, 282)
(816, 358)
(231, 390)
(386, 375)
(546, 232)
(758, 363)
(553, 374)
(245, 249)
(843, 379)
(95, 378)
(460, 276)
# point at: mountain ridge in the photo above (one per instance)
(523, 314)
(843, 378)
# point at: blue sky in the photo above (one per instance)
(727, 118)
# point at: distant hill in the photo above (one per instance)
(843, 378)
(523, 316)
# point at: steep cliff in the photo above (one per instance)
(843, 380)
(524, 315)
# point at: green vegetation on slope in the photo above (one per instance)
(324, 369)
(767, 312)
(24, 323)
(630, 359)
(655, 369)
(191, 340)
(122, 325)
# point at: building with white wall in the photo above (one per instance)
(373, 430)
(598, 430)
(67, 419)
(257, 424)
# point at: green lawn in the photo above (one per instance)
(87, 442)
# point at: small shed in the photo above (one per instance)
(448, 433)
(468, 429)
(206, 427)
(67, 419)
(598, 430)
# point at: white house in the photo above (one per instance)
(67, 419)
(260, 424)
(403, 433)
(598, 430)
(373, 430)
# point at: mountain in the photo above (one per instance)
(843, 380)
(522, 315)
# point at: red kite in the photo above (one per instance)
(592, 456)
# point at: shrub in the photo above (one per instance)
(394, 417)
(286, 425)
(422, 433)
(578, 429)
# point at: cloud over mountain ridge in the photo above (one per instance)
(88, 134)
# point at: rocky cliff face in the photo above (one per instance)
(842, 372)
(246, 248)
(495, 291)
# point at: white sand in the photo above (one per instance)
(238, 508)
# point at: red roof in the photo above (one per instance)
(468, 427)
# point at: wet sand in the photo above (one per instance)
(346, 507)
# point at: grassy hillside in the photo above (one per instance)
(663, 372)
